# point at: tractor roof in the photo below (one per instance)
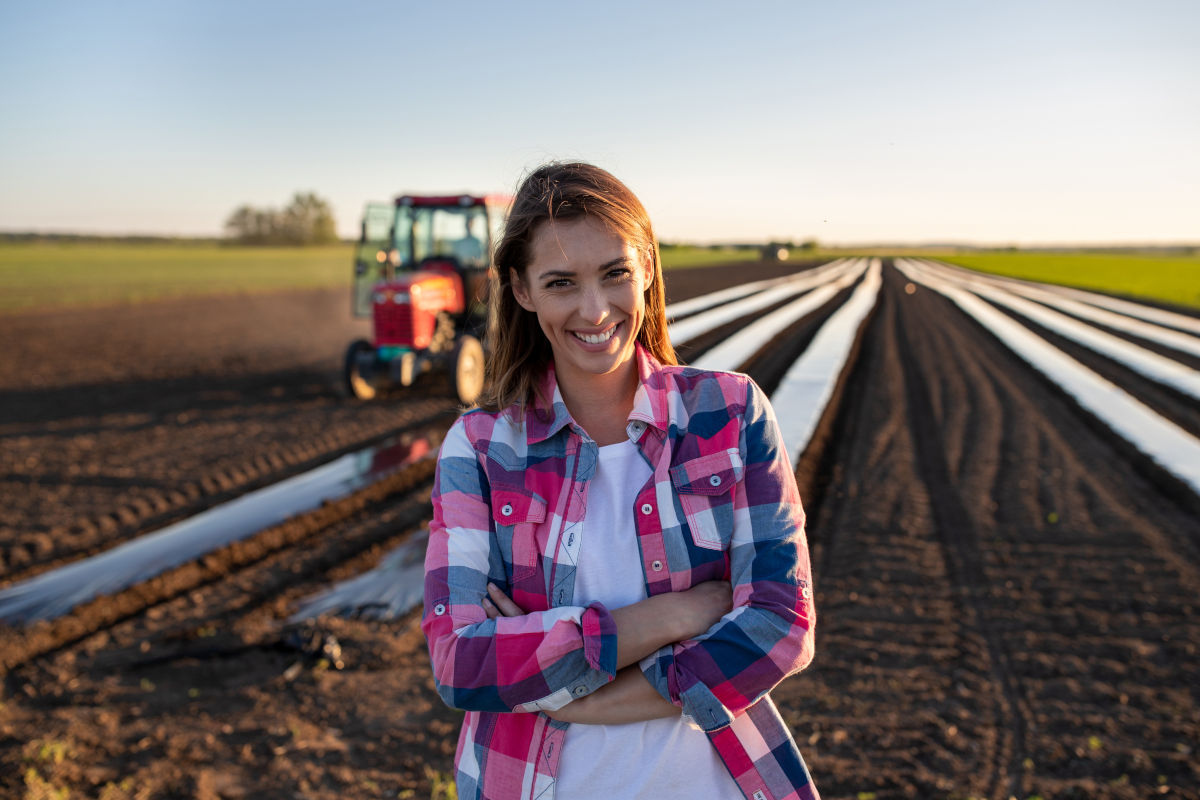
(460, 200)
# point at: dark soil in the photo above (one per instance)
(1007, 598)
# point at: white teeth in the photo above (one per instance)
(597, 338)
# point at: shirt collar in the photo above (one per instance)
(549, 414)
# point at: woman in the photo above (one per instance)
(617, 570)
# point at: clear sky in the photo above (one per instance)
(1029, 121)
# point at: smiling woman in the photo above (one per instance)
(617, 572)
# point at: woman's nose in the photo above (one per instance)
(594, 305)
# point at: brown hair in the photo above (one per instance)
(518, 351)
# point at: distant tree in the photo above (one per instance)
(307, 220)
(809, 245)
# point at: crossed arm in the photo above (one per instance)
(642, 628)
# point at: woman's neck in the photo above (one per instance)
(600, 404)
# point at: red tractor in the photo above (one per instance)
(421, 274)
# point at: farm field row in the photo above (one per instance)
(968, 523)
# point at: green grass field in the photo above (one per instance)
(39, 275)
(679, 256)
(1173, 278)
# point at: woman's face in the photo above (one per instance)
(586, 284)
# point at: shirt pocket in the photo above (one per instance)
(705, 488)
(517, 515)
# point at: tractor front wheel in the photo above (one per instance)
(360, 370)
(468, 369)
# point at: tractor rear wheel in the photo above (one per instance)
(468, 369)
(360, 370)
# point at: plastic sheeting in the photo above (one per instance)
(807, 386)
(737, 349)
(1163, 441)
(54, 593)
(388, 591)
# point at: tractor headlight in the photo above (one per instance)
(400, 298)
(379, 297)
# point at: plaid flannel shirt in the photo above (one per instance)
(722, 504)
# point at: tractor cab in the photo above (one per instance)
(421, 273)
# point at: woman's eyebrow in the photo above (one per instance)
(619, 260)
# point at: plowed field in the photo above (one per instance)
(1007, 591)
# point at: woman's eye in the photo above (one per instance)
(620, 273)
(558, 283)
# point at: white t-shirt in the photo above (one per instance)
(653, 759)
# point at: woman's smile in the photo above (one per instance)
(596, 338)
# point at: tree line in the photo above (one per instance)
(307, 220)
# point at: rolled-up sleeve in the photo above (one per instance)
(536, 661)
(770, 632)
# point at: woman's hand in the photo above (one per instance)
(497, 604)
(701, 607)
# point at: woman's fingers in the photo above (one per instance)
(506, 606)
(490, 609)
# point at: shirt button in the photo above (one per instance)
(580, 691)
(715, 480)
(647, 508)
(439, 609)
(806, 592)
(656, 566)
(507, 510)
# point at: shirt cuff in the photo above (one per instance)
(700, 706)
(599, 633)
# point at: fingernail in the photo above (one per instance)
(492, 586)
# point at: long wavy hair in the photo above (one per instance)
(518, 351)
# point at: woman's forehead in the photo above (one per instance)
(578, 243)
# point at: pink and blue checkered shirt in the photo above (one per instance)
(508, 503)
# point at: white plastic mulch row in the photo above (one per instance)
(1157, 325)
(732, 353)
(806, 388)
(54, 593)
(385, 592)
(681, 309)
(692, 327)
(1166, 443)
(1146, 362)
(1157, 315)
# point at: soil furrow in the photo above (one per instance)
(1059, 486)
(958, 531)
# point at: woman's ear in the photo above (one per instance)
(520, 290)
(648, 270)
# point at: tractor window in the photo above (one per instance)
(374, 243)
(451, 231)
(403, 241)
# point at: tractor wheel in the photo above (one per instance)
(360, 370)
(468, 369)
